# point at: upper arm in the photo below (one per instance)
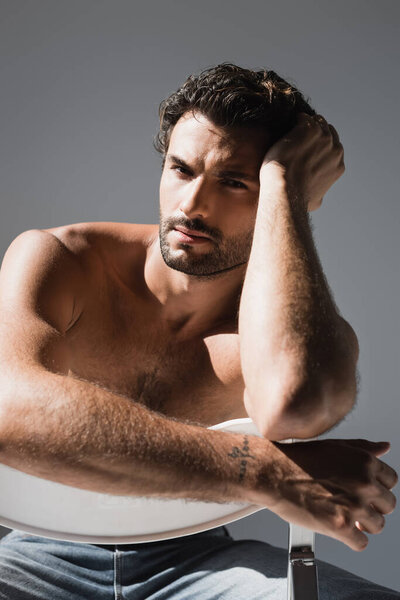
(40, 291)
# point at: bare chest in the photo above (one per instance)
(197, 380)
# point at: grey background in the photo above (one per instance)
(80, 86)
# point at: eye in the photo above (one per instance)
(230, 182)
(234, 183)
(179, 169)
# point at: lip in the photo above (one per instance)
(185, 238)
(191, 232)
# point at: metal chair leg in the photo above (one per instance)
(302, 568)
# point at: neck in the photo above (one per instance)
(196, 303)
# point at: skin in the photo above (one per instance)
(204, 284)
(148, 306)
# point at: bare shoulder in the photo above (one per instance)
(39, 277)
(108, 251)
(57, 267)
(106, 242)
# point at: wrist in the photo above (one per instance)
(277, 183)
(276, 190)
(263, 477)
(273, 173)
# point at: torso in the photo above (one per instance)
(120, 343)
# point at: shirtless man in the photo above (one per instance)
(121, 343)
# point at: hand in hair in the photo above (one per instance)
(309, 157)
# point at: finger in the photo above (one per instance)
(370, 520)
(384, 500)
(356, 539)
(361, 527)
(374, 447)
(345, 530)
(323, 124)
(386, 475)
(305, 119)
(336, 142)
(382, 451)
(353, 537)
(335, 135)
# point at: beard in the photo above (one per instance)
(223, 256)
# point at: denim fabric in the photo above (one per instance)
(204, 566)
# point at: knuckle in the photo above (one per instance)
(341, 520)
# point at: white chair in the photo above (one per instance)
(55, 510)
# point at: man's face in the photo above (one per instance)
(210, 185)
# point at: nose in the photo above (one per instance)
(194, 202)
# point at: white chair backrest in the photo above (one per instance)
(54, 510)
(50, 509)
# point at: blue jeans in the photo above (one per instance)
(205, 566)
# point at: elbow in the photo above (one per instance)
(301, 405)
(310, 413)
(304, 413)
(284, 417)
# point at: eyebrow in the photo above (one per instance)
(221, 173)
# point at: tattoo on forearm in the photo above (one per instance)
(243, 454)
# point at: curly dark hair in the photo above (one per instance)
(233, 96)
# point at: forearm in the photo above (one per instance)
(288, 323)
(76, 433)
